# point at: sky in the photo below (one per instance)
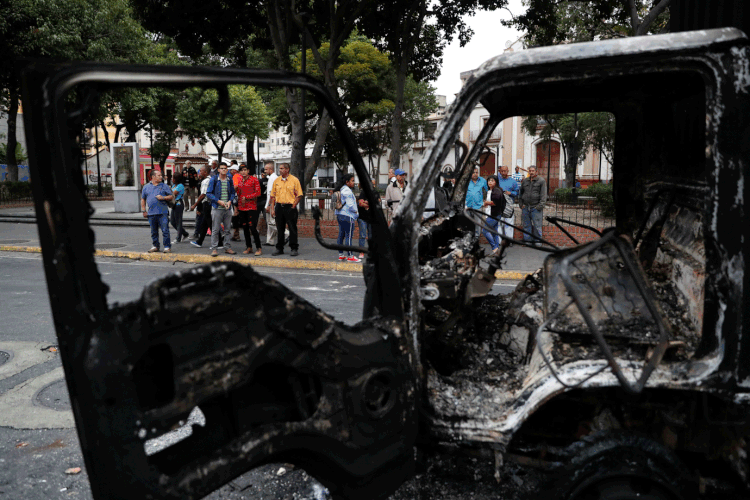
(488, 41)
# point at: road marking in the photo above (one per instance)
(20, 412)
(23, 355)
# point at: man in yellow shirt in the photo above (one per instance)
(284, 196)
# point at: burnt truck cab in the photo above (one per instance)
(622, 363)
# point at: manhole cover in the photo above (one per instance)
(54, 396)
(12, 242)
(4, 357)
(108, 246)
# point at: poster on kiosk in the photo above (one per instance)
(124, 169)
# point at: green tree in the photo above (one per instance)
(414, 34)
(565, 21)
(134, 109)
(201, 115)
(600, 135)
(578, 132)
(66, 30)
(569, 128)
(268, 24)
(366, 81)
(20, 154)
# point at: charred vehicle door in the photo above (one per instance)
(276, 378)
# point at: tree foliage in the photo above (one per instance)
(414, 33)
(567, 21)
(578, 132)
(20, 154)
(548, 22)
(202, 115)
(67, 30)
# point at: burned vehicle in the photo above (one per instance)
(622, 365)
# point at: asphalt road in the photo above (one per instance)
(38, 443)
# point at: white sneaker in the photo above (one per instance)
(167, 250)
(153, 249)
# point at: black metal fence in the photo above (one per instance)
(19, 193)
(587, 210)
(15, 193)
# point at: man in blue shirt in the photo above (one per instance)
(155, 195)
(476, 192)
(510, 188)
(518, 176)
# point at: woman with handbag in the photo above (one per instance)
(493, 205)
(178, 189)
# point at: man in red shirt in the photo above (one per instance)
(248, 190)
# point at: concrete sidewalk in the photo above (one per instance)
(127, 236)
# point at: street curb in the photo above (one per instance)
(265, 262)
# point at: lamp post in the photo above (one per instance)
(98, 168)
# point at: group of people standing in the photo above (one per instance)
(496, 197)
(229, 198)
(351, 210)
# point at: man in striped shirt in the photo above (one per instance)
(221, 194)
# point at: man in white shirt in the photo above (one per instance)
(271, 235)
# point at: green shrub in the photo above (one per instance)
(563, 195)
(603, 195)
(17, 189)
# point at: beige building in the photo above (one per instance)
(509, 145)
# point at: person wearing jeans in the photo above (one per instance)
(365, 217)
(248, 191)
(178, 189)
(155, 195)
(347, 217)
(493, 205)
(532, 200)
(221, 194)
(509, 187)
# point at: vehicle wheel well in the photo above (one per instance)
(706, 430)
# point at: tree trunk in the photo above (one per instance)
(10, 147)
(106, 133)
(573, 150)
(398, 114)
(294, 109)
(252, 164)
(324, 125)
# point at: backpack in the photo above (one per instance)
(336, 201)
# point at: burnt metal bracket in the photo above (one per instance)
(628, 265)
(332, 246)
